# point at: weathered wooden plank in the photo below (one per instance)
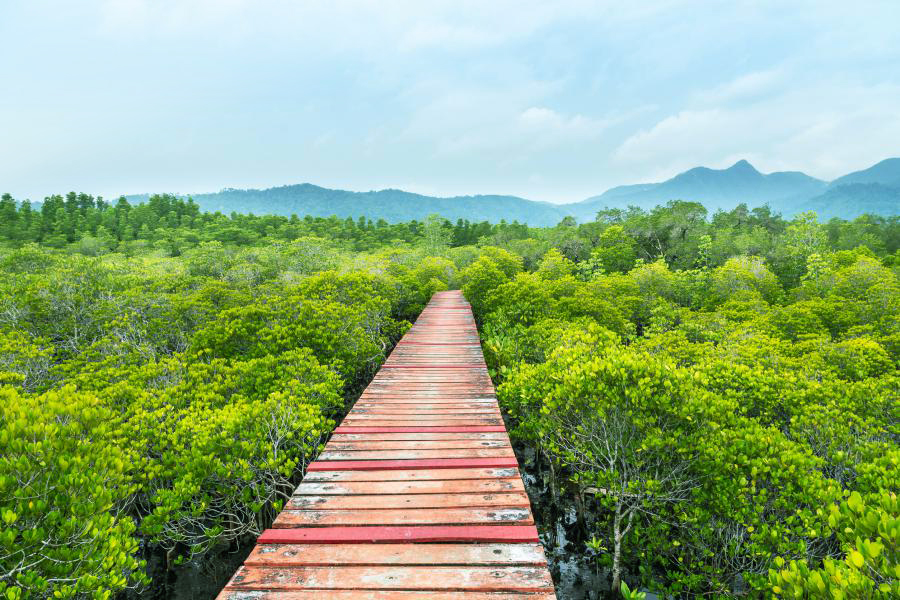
(430, 430)
(403, 516)
(426, 410)
(286, 555)
(420, 436)
(250, 594)
(425, 389)
(385, 501)
(415, 400)
(335, 445)
(407, 371)
(431, 578)
(414, 474)
(462, 370)
(424, 417)
(470, 354)
(468, 375)
(355, 455)
(431, 463)
(439, 486)
(386, 413)
(397, 534)
(426, 424)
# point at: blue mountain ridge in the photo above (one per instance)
(875, 190)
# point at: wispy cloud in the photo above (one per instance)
(815, 126)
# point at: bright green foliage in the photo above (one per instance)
(508, 262)
(869, 533)
(346, 336)
(479, 279)
(554, 266)
(63, 528)
(23, 361)
(437, 234)
(743, 274)
(193, 391)
(223, 441)
(615, 250)
(731, 429)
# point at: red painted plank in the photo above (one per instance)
(259, 594)
(338, 445)
(436, 429)
(406, 454)
(433, 463)
(386, 422)
(396, 421)
(426, 578)
(399, 501)
(368, 517)
(427, 366)
(410, 488)
(412, 414)
(403, 343)
(427, 436)
(413, 475)
(425, 395)
(393, 534)
(286, 555)
(425, 410)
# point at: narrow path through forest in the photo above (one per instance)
(418, 492)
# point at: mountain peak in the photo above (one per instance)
(742, 165)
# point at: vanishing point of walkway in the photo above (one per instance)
(417, 495)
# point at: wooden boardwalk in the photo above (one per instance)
(417, 494)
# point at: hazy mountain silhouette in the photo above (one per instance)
(714, 188)
(391, 205)
(875, 190)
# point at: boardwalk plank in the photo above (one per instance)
(403, 516)
(420, 534)
(235, 594)
(422, 436)
(409, 454)
(425, 463)
(452, 486)
(284, 555)
(429, 578)
(378, 444)
(391, 501)
(414, 474)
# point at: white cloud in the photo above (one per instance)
(825, 128)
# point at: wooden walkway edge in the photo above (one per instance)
(416, 496)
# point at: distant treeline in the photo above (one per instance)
(683, 233)
(173, 224)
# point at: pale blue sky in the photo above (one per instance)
(550, 100)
